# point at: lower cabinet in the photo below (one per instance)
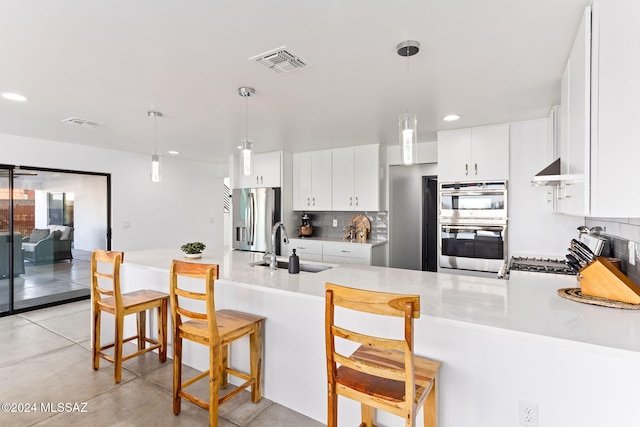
(336, 252)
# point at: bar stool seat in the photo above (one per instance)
(121, 305)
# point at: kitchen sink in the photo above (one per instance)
(309, 268)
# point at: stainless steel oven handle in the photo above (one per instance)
(472, 193)
(476, 227)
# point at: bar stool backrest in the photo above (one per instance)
(208, 272)
(99, 277)
(388, 304)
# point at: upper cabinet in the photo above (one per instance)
(343, 179)
(475, 154)
(267, 171)
(356, 178)
(600, 126)
(573, 191)
(615, 127)
(312, 180)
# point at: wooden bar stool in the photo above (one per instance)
(382, 373)
(121, 305)
(216, 330)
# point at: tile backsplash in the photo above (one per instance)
(322, 223)
(621, 231)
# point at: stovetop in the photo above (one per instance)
(540, 265)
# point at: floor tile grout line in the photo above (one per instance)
(55, 350)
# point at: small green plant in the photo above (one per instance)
(193, 248)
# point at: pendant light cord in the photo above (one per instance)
(407, 79)
(247, 117)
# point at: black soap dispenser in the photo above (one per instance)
(294, 263)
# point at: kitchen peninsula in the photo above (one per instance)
(499, 341)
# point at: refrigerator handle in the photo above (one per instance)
(249, 218)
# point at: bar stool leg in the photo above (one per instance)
(367, 415)
(333, 409)
(224, 365)
(255, 344)
(430, 407)
(95, 343)
(117, 348)
(141, 320)
(214, 380)
(177, 373)
(162, 331)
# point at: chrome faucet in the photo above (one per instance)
(270, 257)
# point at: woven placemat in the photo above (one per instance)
(575, 294)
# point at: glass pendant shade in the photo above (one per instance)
(408, 126)
(246, 157)
(155, 168)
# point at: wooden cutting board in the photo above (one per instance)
(361, 221)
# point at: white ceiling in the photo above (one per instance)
(492, 61)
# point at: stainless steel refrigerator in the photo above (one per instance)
(255, 211)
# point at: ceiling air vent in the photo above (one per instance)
(281, 60)
(76, 121)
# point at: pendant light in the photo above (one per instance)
(408, 122)
(246, 148)
(155, 158)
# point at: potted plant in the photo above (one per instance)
(193, 249)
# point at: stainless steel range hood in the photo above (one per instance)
(549, 175)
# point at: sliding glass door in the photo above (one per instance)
(55, 220)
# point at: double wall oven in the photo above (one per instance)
(473, 225)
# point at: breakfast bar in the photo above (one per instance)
(499, 341)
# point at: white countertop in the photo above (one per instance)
(526, 306)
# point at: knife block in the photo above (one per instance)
(602, 279)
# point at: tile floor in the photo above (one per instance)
(49, 283)
(45, 359)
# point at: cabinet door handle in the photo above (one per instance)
(466, 169)
(308, 202)
(345, 252)
(257, 180)
(356, 200)
(300, 247)
(350, 201)
(261, 179)
(314, 201)
(475, 168)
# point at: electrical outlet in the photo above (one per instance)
(335, 222)
(528, 414)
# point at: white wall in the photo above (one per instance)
(185, 206)
(533, 228)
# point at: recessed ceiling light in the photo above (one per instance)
(14, 96)
(451, 117)
(173, 152)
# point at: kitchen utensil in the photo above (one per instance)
(575, 267)
(574, 260)
(305, 230)
(587, 251)
(580, 252)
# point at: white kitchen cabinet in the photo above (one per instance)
(267, 170)
(312, 180)
(346, 253)
(307, 250)
(336, 252)
(474, 154)
(573, 192)
(615, 128)
(356, 178)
